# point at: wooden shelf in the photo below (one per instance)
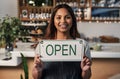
(104, 7)
(84, 4)
(36, 14)
(28, 19)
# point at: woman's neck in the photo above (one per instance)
(63, 36)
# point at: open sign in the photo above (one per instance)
(61, 50)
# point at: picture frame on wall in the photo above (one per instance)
(24, 13)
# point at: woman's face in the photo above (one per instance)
(63, 20)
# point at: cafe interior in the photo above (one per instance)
(98, 22)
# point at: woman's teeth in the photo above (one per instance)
(64, 25)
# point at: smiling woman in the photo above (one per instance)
(63, 27)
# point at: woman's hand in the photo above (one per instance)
(86, 67)
(37, 67)
(86, 63)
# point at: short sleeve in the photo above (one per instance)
(86, 48)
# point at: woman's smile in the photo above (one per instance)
(63, 26)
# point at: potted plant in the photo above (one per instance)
(10, 29)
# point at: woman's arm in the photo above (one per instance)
(86, 62)
(86, 68)
(37, 68)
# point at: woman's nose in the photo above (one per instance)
(63, 20)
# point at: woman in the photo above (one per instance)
(63, 26)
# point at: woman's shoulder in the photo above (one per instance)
(83, 41)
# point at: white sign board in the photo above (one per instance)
(61, 50)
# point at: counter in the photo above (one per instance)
(108, 50)
(27, 51)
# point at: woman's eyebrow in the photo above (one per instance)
(61, 15)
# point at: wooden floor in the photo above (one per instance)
(101, 69)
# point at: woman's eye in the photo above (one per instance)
(68, 17)
(58, 18)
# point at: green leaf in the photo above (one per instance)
(25, 66)
(10, 26)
